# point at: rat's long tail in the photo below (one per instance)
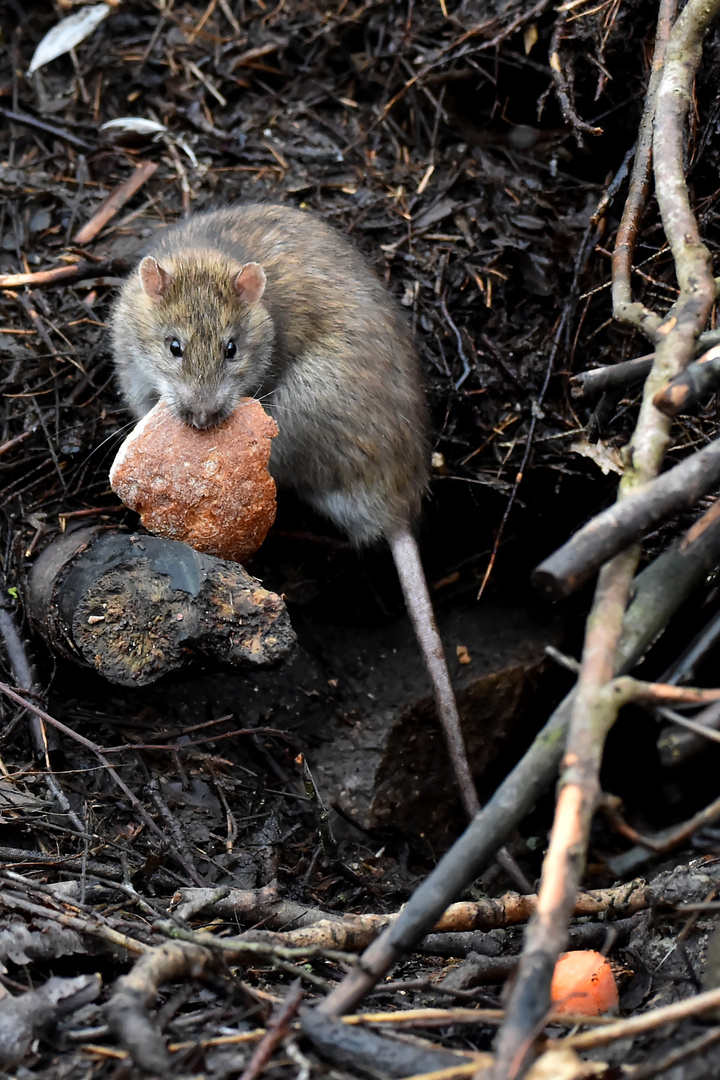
(414, 586)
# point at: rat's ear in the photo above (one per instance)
(249, 285)
(155, 280)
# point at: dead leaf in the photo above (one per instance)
(68, 33)
(606, 457)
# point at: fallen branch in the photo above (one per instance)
(621, 524)
(127, 1009)
(628, 372)
(666, 583)
(649, 1021)
(353, 932)
(685, 737)
(624, 308)
(680, 569)
(665, 840)
(94, 925)
(612, 377)
(115, 201)
(24, 1018)
(696, 382)
(278, 1029)
(351, 1045)
(625, 690)
(78, 271)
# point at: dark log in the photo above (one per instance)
(626, 521)
(136, 607)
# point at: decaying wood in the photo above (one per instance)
(137, 607)
(437, 209)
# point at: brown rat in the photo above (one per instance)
(270, 302)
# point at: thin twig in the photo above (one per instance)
(624, 308)
(625, 521)
(278, 1028)
(115, 201)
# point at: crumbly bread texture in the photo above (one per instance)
(209, 488)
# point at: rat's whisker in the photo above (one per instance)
(115, 435)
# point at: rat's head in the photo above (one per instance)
(210, 335)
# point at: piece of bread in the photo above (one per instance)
(208, 488)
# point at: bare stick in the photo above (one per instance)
(626, 690)
(563, 89)
(87, 268)
(666, 839)
(684, 738)
(127, 1009)
(593, 715)
(649, 1021)
(414, 586)
(612, 530)
(665, 584)
(278, 1028)
(51, 129)
(115, 201)
(688, 388)
(612, 377)
(628, 372)
(624, 309)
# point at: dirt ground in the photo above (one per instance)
(430, 134)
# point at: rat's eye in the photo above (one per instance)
(176, 348)
(230, 350)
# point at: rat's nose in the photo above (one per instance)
(202, 416)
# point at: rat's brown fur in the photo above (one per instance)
(325, 349)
